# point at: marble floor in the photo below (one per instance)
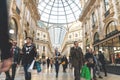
(49, 74)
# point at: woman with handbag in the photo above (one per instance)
(64, 63)
(57, 61)
(90, 62)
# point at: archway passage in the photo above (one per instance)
(13, 29)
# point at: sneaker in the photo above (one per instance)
(100, 77)
(105, 75)
(94, 79)
(56, 75)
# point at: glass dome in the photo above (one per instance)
(58, 16)
(59, 11)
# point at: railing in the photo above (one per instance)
(96, 41)
(112, 33)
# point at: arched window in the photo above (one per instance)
(111, 27)
(96, 37)
(69, 36)
(106, 4)
(25, 34)
(13, 29)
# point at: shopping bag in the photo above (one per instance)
(85, 73)
(38, 66)
(18, 69)
(31, 66)
(63, 63)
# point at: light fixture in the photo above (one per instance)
(25, 41)
(11, 31)
(87, 47)
(37, 50)
(114, 48)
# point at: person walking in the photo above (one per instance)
(64, 63)
(90, 62)
(57, 61)
(48, 62)
(15, 53)
(76, 55)
(102, 61)
(97, 65)
(29, 54)
(16, 58)
(51, 63)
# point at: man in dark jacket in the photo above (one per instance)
(29, 53)
(102, 61)
(76, 59)
(57, 61)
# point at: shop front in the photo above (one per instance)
(110, 46)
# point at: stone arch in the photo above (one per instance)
(17, 22)
(107, 23)
(13, 29)
(19, 33)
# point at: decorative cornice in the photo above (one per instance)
(86, 9)
(33, 9)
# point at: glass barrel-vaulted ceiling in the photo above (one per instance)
(56, 14)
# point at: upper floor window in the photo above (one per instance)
(38, 34)
(69, 36)
(44, 35)
(43, 48)
(86, 26)
(106, 4)
(93, 18)
(76, 35)
(18, 3)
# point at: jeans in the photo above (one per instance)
(13, 71)
(57, 68)
(104, 69)
(7, 75)
(77, 72)
(27, 74)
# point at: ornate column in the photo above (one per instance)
(9, 2)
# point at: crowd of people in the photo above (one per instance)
(96, 63)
